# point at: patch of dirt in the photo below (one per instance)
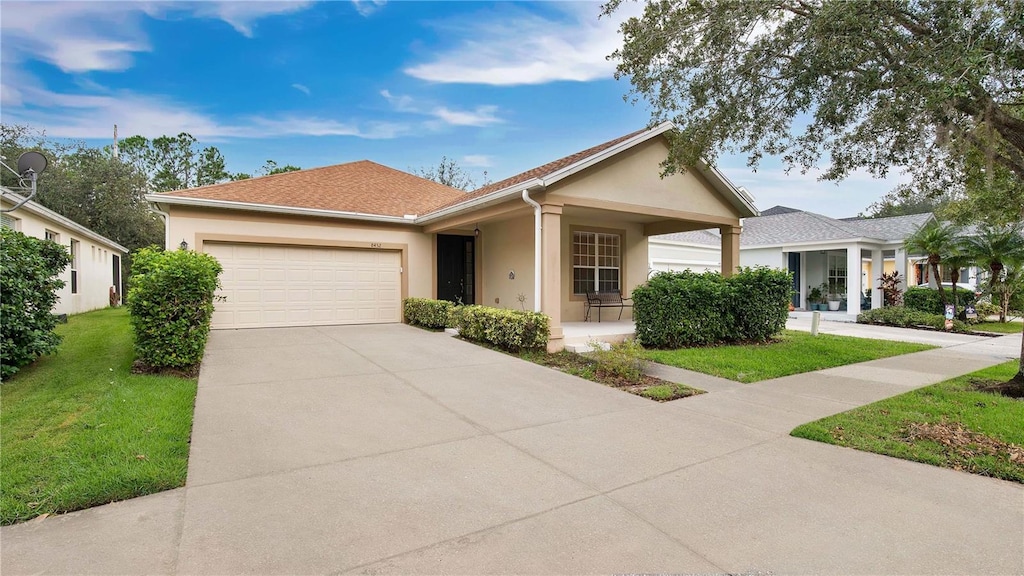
(584, 367)
(140, 367)
(1013, 388)
(963, 443)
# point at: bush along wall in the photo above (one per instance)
(433, 314)
(170, 299)
(676, 309)
(928, 300)
(28, 292)
(906, 317)
(511, 330)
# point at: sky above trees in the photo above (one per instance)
(312, 84)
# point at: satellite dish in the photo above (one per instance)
(33, 161)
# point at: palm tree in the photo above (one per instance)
(954, 262)
(995, 247)
(935, 240)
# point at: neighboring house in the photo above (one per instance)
(95, 260)
(344, 244)
(817, 249)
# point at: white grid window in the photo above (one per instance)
(837, 273)
(8, 221)
(74, 265)
(596, 262)
(52, 236)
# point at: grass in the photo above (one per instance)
(78, 429)
(965, 429)
(1000, 327)
(792, 353)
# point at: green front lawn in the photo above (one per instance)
(793, 352)
(1001, 327)
(948, 424)
(78, 429)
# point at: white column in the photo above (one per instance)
(854, 271)
(901, 267)
(877, 267)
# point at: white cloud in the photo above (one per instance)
(301, 88)
(484, 115)
(512, 46)
(479, 116)
(477, 161)
(93, 116)
(105, 36)
(368, 7)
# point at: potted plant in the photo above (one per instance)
(835, 297)
(814, 298)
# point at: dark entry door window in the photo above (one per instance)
(456, 263)
(794, 267)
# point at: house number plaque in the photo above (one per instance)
(376, 245)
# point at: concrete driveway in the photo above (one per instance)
(388, 449)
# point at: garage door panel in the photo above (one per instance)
(268, 285)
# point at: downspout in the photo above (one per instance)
(167, 224)
(537, 252)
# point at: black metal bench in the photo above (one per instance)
(604, 300)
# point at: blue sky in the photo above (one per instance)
(500, 87)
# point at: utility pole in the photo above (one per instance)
(115, 141)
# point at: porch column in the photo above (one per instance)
(551, 276)
(730, 249)
(901, 267)
(877, 267)
(854, 272)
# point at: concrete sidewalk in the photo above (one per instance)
(387, 449)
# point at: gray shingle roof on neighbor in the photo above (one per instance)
(784, 225)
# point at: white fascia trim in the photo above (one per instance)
(514, 191)
(33, 207)
(736, 196)
(815, 245)
(680, 243)
(607, 153)
(232, 205)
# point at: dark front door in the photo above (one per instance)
(794, 267)
(455, 266)
(116, 279)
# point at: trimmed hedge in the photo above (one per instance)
(435, 314)
(906, 317)
(928, 300)
(676, 309)
(511, 330)
(170, 300)
(28, 291)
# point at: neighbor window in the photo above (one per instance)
(74, 266)
(596, 262)
(8, 221)
(837, 273)
(52, 236)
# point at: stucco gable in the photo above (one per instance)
(634, 177)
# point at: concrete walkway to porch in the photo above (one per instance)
(389, 449)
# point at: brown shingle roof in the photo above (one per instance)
(364, 187)
(540, 171)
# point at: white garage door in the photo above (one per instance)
(270, 285)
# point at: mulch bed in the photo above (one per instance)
(1013, 388)
(140, 367)
(584, 367)
(963, 444)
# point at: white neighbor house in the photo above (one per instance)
(816, 248)
(95, 262)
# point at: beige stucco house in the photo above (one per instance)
(344, 244)
(95, 260)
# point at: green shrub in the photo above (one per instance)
(511, 330)
(170, 300)
(985, 309)
(28, 292)
(759, 302)
(675, 309)
(428, 313)
(624, 359)
(905, 317)
(927, 299)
